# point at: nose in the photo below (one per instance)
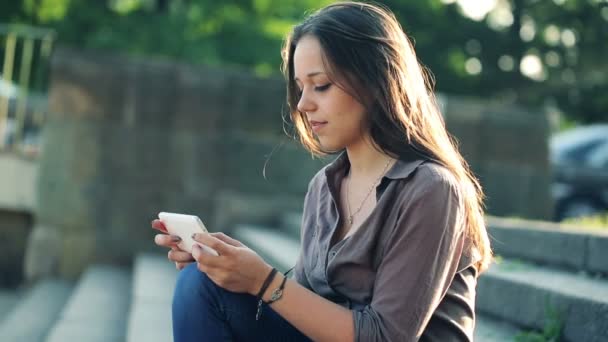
(306, 103)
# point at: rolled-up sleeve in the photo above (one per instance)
(418, 263)
(306, 232)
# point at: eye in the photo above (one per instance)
(323, 87)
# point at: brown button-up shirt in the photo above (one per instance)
(407, 273)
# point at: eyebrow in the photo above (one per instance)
(312, 74)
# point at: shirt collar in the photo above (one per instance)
(400, 170)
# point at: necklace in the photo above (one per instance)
(374, 184)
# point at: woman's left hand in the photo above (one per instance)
(237, 268)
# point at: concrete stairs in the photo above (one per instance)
(523, 291)
(36, 312)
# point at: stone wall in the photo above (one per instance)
(127, 138)
(507, 148)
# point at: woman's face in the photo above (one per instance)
(335, 116)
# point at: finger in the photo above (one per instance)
(207, 260)
(227, 239)
(159, 225)
(214, 243)
(200, 255)
(166, 240)
(178, 255)
(181, 265)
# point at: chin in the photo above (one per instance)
(329, 145)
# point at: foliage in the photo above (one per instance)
(552, 329)
(469, 55)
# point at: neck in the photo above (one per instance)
(365, 160)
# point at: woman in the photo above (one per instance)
(393, 237)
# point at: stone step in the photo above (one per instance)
(37, 311)
(281, 250)
(153, 282)
(98, 308)
(488, 329)
(562, 246)
(8, 300)
(531, 296)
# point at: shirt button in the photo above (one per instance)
(332, 254)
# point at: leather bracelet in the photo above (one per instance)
(267, 282)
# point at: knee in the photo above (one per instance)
(191, 282)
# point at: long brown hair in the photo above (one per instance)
(365, 45)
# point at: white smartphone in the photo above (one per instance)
(184, 226)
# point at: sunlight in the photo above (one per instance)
(474, 9)
(473, 66)
(552, 35)
(531, 66)
(501, 17)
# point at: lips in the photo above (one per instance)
(317, 125)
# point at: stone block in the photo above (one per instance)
(266, 166)
(498, 176)
(597, 254)
(152, 97)
(515, 136)
(87, 85)
(258, 106)
(530, 295)
(584, 322)
(140, 155)
(150, 322)
(520, 239)
(43, 253)
(521, 305)
(197, 160)
(98, 308)
(57, 149)
(64, 204)
(153, 279)
(463, 120)
(77, 252)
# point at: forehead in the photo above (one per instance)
(308, 57)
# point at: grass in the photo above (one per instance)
(597, 221)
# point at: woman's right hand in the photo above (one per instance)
(179, 257)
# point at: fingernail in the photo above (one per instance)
(175, 238)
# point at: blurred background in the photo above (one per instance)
(112, 111)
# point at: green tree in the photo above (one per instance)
(559, 45)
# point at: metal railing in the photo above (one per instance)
(28, 49)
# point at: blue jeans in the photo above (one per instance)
(203, 311)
